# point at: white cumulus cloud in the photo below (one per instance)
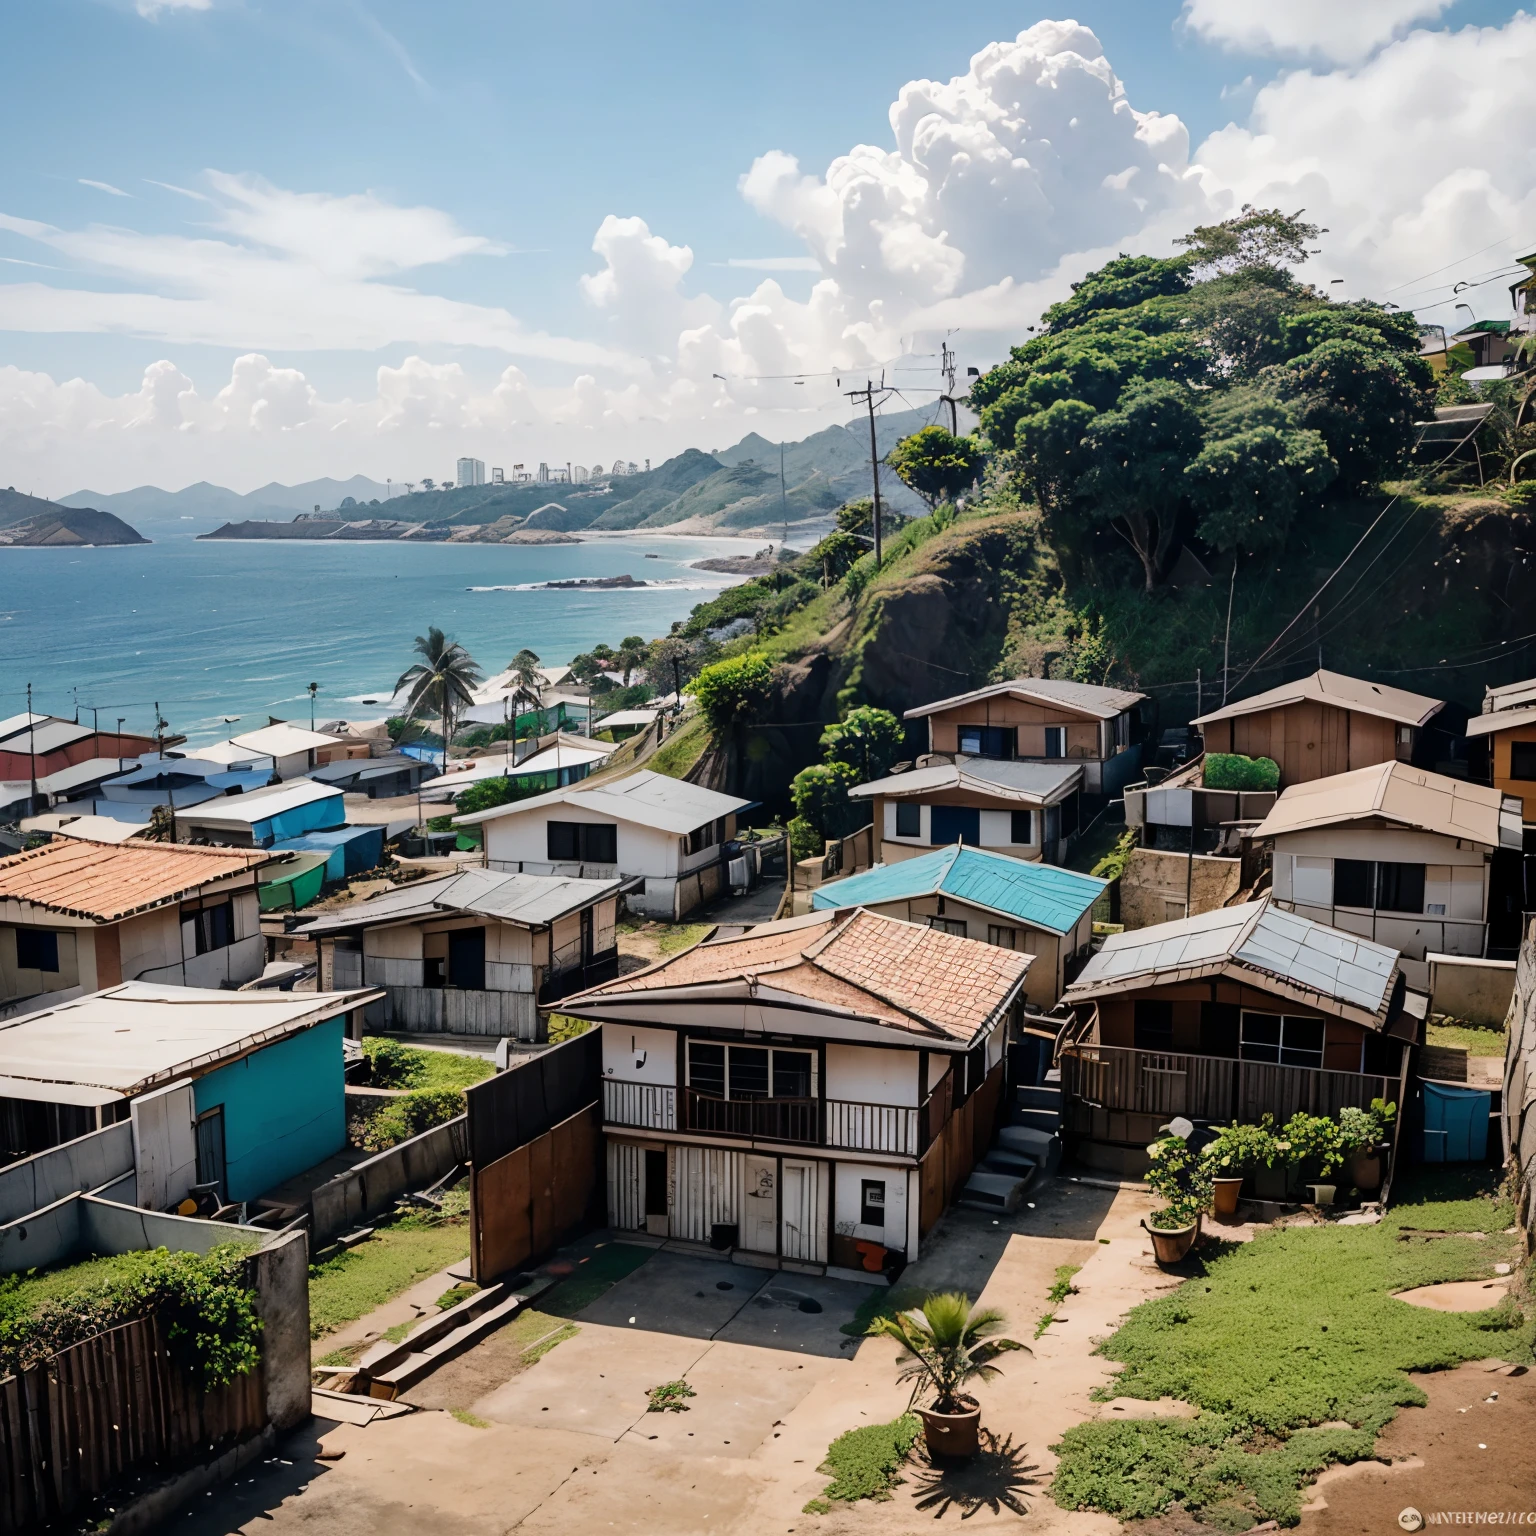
(1342, 31)
(151, 9)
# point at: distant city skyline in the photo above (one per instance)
(324, 248)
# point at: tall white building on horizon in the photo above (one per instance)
(470, 472)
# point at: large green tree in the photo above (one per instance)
(937, 464)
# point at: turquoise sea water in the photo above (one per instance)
(227, 628)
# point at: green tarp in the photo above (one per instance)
(294, 884)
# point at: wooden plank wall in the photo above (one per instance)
(956, 1150)
(77, 1423)
(536, 1196)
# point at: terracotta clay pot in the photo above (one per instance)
(1365, 1171)
(952, 1434)
(1170, 1245)
(1226, 1196)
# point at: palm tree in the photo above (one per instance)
(528, 680)
(441, 683)
(946, 1344)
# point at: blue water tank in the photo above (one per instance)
(1455, 1124)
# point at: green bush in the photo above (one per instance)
(733, 692)
(820, 797)
(398, 1120)
(208, 1309)
(1181, 1180)
(866, 1462)
(1231, 770)
(391, 1064)
(805, 842)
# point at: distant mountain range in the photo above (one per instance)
(31, 522)
(731, 490)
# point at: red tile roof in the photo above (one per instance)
(913, 977)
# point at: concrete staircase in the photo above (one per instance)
(1027, 1147)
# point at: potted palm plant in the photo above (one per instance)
(945, 1344)
(1182, 1180)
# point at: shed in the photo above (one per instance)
(350, 850)
(296, 882)
(260, 818)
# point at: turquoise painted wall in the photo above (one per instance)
(285, 1108)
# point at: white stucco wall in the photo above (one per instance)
(870, 1075)
(849, 1179)
(636, 1055)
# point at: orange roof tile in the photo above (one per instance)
(107, 882)
(914, 977)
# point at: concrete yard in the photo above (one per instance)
(566, 1443)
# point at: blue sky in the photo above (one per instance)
(519, 129)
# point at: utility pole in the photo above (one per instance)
(314, 688)
(783, 503)
(32, 749)
(1226, 647)
(120, 720)
(1199, 692)
(867, 395)
(947, 369)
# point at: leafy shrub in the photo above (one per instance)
(866, 739)
(391, 1064)
(1181, 1180)
(1239, 1149)
(1360, 1129)
(866, 1462)
(805, 842)
(733, 692)
(820, 796)
(208, 1309)
(398, 1120)
(669, 1397)
(1231, 770)
(1313, 1139)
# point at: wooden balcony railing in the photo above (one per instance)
(903, 1130)
(1210, 1087)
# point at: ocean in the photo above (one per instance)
(220, 628)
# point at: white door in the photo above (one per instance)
(626, 1203)
(760, 1204)
(804, 1211)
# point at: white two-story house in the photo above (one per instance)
(1396, 854)
(809, 1094)
(665, 838)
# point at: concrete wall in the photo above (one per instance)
(521, 841)
(1154, 883)
(282, 1303)
(1478, 991)
(635, 1055)
(72, 1168)
(847, 1205)
(375, 1184)
(284, 1108)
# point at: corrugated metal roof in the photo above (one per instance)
(1396, 792)
(1042, 895)
(47, 736)
(1090, 699)
(1341, 692)
(1033, 784)
(1502, 719)
(531, 900)
(282, 740)
(261, 804)
(130, 1037)
(105, 883)
(645, 798)
(1254, 941)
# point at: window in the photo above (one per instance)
(1055, 741)
(909, 819)
(37, 949)
(1385, 887)
(466, 959)
(988, 740)
(1154, 1024)
(1022, 830)
(954, 925)
(1219, 1025)
(1522, 759)
(1004, 938)
(583, 842)
(212, 927)
(707, 836)
(1354, 883)
(872, 1202)
(954, 824)
(655, 1183)
(750, 1071)
(1286, 1039)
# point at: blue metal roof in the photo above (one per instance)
(1040, 894)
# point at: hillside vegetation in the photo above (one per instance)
(31, 522)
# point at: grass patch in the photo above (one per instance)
(594, 1275)
(1449, 1198)
(397, 1065)
(1278, 1337)
(881, 1304)
(452, 1297)
(464, 1416)
(672, 937)
(348, 1354)
(399, 1253)
(669, 1397)
(681, 750)
(1471, 1038)
(1057, 1294)
(866, 1462)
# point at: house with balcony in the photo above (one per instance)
(1034, 908)
(1328, 724)
(1231, 1015)
(78, 915)
(477, 952)
(666, 839)
(1024, 810)
(809, 1094)
(1503, 739)
(1043, 720)
(1420, 862)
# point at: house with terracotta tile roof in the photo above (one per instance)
(809, 1094)
(77, 915)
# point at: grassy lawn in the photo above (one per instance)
(1471, 1038)
(399, 1253)
(1276, 1338)
(451, 1069)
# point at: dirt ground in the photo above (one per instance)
(1461, 1457)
